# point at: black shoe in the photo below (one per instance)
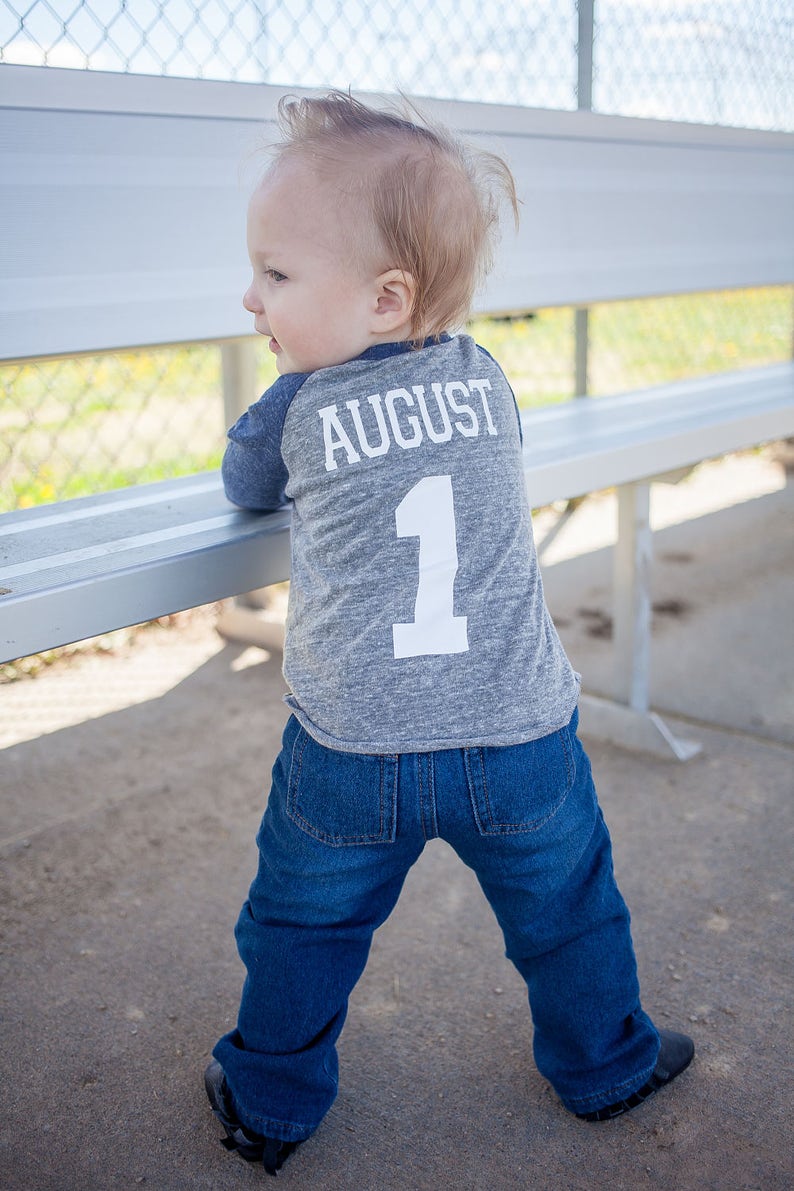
(675, 1055)
(271, 1152)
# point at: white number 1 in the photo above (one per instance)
(428, 512)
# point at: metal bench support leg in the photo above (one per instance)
(627, 720)
(632, 596)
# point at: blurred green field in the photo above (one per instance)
(71, 427)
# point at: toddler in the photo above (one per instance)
(430, 694)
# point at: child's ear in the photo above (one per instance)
(394, 301)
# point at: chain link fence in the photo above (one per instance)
(712, 61)
(503, 52)
(707, 61)
(71, 427)
(649, 341)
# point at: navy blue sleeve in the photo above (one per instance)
(253, 469)
(485, 352)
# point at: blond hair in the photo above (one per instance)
(434, 202)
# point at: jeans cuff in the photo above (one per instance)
(597, 1100)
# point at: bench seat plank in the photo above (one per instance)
(132, 555)
(583, 445)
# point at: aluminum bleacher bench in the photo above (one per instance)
(615, 208)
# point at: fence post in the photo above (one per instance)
(584, 101)
(581, 332)
(584, 55)
(238, 368)
(242, 618)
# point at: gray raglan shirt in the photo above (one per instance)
(416, 614)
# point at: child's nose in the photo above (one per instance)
(250, 300)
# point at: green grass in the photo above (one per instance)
(42, 488)
(640, 343)
(107, 382)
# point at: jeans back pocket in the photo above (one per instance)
(518, 788)
(342, 798)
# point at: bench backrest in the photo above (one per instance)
(124, 201)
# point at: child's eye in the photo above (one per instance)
(274, 275)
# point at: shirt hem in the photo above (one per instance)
(392, 747)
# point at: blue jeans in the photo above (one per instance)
(339, 835)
